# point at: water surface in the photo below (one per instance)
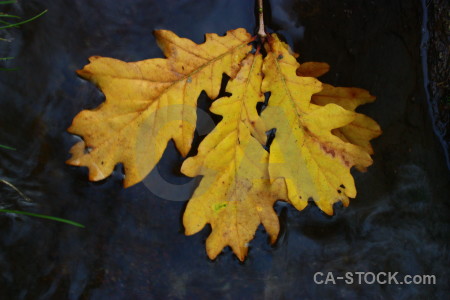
(133, 246)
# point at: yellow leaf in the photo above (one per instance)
(289, 49)
(150, 102)
(235, 194)
(312, 69)
(319, 136)
(362, 129)
(314, 162)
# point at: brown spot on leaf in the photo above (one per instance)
(328, 150)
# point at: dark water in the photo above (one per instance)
(134, 246)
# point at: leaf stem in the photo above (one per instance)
(261, 32)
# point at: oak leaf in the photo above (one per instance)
(235, 194)
(319, 136)
(312, 69)
(361, 130)
(314, 162)
(150, 102)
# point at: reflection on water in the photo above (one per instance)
(133, 246)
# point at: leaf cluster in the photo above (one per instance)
(319, 136)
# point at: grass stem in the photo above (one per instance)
(23, 22)
(19, 212)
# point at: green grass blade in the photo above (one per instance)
(2, 15)
(33, 214)
(6, 58)
(6, 147)
(23, 22)
(9, 69)
(43, 217)
(4, 22)
(7, 2)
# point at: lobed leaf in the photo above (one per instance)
(319, 136)
(235, 194)
(314, 162)
(150, 102)
(360, 131)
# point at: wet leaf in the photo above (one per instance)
(361, 130)
(312, 69)
(319, 136)
(235, 194)
(314, 163)
(150, 102)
